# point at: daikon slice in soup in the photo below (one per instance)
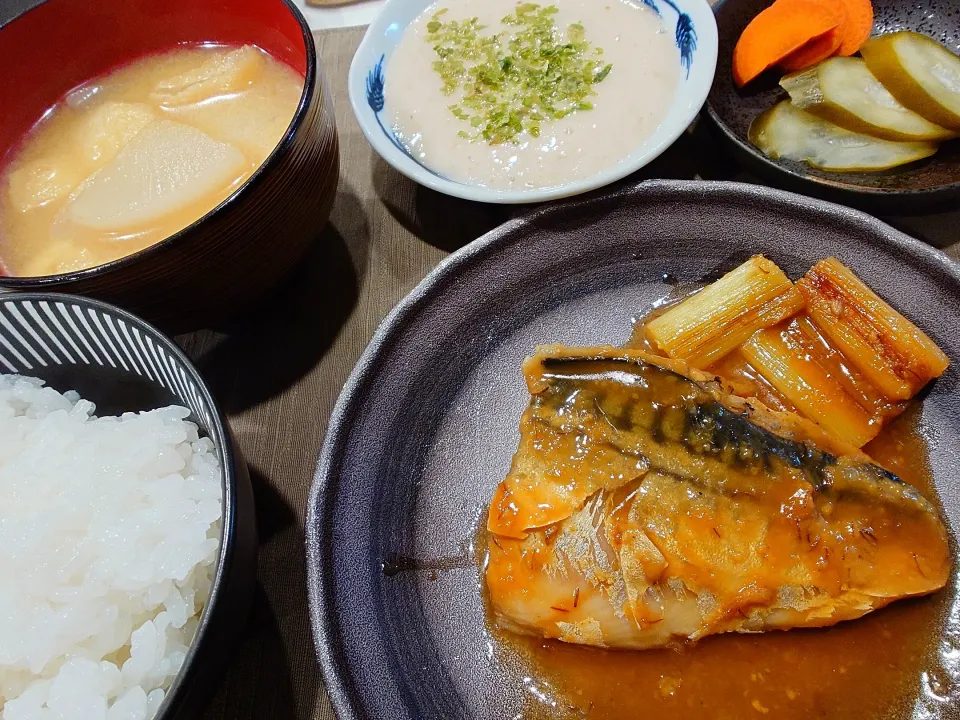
(128, 159)
(518, 95)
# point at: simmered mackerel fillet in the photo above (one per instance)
(646, 505)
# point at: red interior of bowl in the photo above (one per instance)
(63, 43)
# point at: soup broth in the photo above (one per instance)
(124, 161)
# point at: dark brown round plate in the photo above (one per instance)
(427, 424)
(930, 184)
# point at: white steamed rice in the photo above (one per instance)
(109, 530)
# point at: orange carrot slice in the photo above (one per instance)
(781, 29)
(817, 50)
(858, 25)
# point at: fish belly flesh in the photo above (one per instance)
(647, 505)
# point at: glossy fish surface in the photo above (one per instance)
(646, 505)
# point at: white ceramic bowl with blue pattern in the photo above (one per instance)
(695, 33)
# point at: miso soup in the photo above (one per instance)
(126, 160)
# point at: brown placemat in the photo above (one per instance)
(278, 372)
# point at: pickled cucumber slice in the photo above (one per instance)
(919, 72)
(787, 132)
(843, 91)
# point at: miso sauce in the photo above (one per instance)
(898, 662)
(895, 663)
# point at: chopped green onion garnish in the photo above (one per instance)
(510, 83)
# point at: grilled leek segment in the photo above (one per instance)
(843, 91)
(719, 318)
(817, 347)
(787, 132)
(893, 353)
(827, 347)
(919, 72)
(779, 355)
